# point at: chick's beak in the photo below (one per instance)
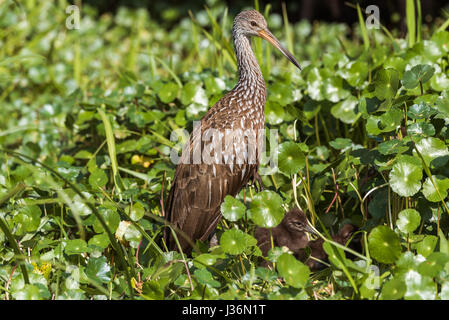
(309, 229)
(267, 35)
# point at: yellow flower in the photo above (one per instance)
(135, 159)
(44, 269)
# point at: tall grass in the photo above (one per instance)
(413, 19)
(365, 37)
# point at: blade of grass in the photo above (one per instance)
(111, 149)
(363, 28)
(227, 51)
(169, 70)
(135, 44)
(22, 58)
(136, 174)
(288, 33)
(443, 26)
(419, 21)
(163, 139)
(77, 64)
(224, 20)
(341, 257)
(411, 22)
(216, 28)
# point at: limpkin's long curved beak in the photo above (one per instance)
(267, 35)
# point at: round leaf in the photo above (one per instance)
(28, 219)
(98, 178)
(188, 92)
(294, 272)
(433, 194)
(235, 241)
(98, 269)
(274, 113)
(75, 246)
(205, 259)
(408, 220)
(333, 89)
(390, 120)
(434, 264)
(28, 292)
(266, 209)
(168, 92)
(136, 212)
(356, 74)
(405, 177)
(346, 110)
(341, 143)
(421, 128)
(384, 244)
(291, 158)
(431, 149)
(419, 287)
(193, 92)
(427, 245)
(100, 240)
(393, 289)
(214, 85)
(408, 261)
(391, 147)
(111, 218)
(205, 277)
(418, 73)
(386, 83)
(232, 209)
(420, 111)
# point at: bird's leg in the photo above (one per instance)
(257, 182)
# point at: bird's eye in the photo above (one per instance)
(254, 23)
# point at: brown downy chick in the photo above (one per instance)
(291, 233)
(342, 237)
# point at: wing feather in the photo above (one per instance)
(197, 191)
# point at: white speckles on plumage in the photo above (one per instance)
(243, 107)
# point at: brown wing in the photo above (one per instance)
(195, 199)
(199, 189)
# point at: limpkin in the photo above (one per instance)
(345, 234)
(291, 233)
(198, 189)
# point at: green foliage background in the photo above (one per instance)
(85, 146)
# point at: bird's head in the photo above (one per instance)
(347, 231)
(252, 23)
(296, 221)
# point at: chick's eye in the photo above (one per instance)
(253, 23)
